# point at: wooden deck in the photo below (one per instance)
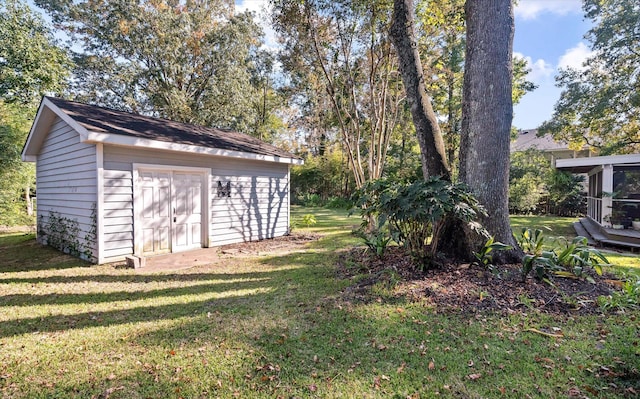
(601, 236)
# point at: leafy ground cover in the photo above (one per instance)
(286, 324)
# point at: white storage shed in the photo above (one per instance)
(111, 184)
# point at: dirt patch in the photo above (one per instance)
(468, 288)
(284, 244)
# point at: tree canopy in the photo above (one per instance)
(31, 65)
(190, 61)
(600, 103)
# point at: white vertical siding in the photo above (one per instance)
(66, 182)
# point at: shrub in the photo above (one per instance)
(309, 220)
(570, 260)
(413, 213)
(377, 239)
(484, 257)
(310, 200)
(628, 297)
(339, 203)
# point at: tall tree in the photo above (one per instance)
(441, 42)
(187, 61)
(600, 103)
(434, 158)
(31, 65)
(487, 113)
(338, 52)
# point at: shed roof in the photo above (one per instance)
(98, 124)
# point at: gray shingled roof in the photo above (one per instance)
(529, 139)
(104, 120)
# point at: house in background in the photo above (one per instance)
(613, 199)
(551, 148)
(111, 184)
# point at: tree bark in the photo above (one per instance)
(487, 113)
(27, 199)
(432, 150)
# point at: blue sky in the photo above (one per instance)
(549, 34)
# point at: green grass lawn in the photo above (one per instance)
(278, 327)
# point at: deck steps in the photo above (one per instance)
(593, 229)
(597, 235)
(581, 231)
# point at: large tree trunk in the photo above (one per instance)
(432, 151)
(487, 113)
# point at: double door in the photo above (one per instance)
(170, 212)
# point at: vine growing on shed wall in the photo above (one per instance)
(62, 233)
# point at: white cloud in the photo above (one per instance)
(575, 57)
(531, 9)
(541, 70)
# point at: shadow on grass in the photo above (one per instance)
(52, 323)
(267, 284)
(255, 280)
(289, 333)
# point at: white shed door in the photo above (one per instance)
(171, 211)
(187, 211)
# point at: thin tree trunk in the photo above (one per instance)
(432, 150)
(27, 199)
(487, 113)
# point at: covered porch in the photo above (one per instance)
(613, 197)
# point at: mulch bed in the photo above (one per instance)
(467, 287)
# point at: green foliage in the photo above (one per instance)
(63, 233)
(339, 203)
(414, 213)
(527, 174)
(321, 178)
(536, 187)
(195, 62)
(600, 103)
(628, 297)
(31, 63)
(565, 193)
(531, 240)
(376, 237)
(343, 77)
(309, 220)
(17, 179)
(484, 257)
(572, 259)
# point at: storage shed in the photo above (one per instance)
(111, 184)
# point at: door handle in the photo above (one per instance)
(174, 215)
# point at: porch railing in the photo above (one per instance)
(594, 208)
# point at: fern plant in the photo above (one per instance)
(413, 213)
